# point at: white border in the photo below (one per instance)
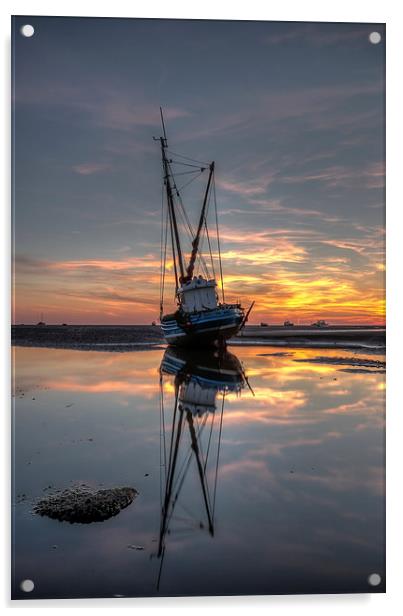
(387, 11)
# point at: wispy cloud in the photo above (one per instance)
(282, 252)
(271, 205)
(132, 263)
(107, 107)
(372, 176)
(319, 36)
(91, 168)
(248, 188)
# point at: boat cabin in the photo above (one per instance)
(197, 295)
(197, 399)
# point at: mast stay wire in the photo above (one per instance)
(187, 172)
(179, 162)
(209, 440)
(200, 257)
(190, 181)
(163, 461)
(163, 250)
(186, 217)
(201, 162)
(218, 240)
(218, 451)
(208, 237)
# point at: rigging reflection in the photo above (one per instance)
(191, 429)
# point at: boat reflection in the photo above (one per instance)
(201, 381)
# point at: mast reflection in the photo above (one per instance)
(191, 431)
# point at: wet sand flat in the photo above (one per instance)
(308, 336)
(90, 337)
(137, 337)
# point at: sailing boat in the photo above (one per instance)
(201, 318)
(194, 436)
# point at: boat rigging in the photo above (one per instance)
(201, 316)
(191, 421)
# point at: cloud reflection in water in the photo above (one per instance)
(300, 487)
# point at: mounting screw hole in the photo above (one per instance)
(27, 30)
(375, 38)
(27, 585)
(374, 579)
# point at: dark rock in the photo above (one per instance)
(82, 505)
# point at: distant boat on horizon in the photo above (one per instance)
(201, 318)
(41, 322)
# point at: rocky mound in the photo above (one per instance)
(82, 505)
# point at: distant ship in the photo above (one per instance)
(201, 317)
(41, 322)
(320, 323)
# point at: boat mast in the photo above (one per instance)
(196, 241)
(171, 205)
(202, 474)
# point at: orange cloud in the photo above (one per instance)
(149, 261)
(295, 274)
(286, 253)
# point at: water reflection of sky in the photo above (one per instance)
(300, 493)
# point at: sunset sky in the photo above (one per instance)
(293, 115)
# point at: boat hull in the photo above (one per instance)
(215, 369)
(207, 328)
